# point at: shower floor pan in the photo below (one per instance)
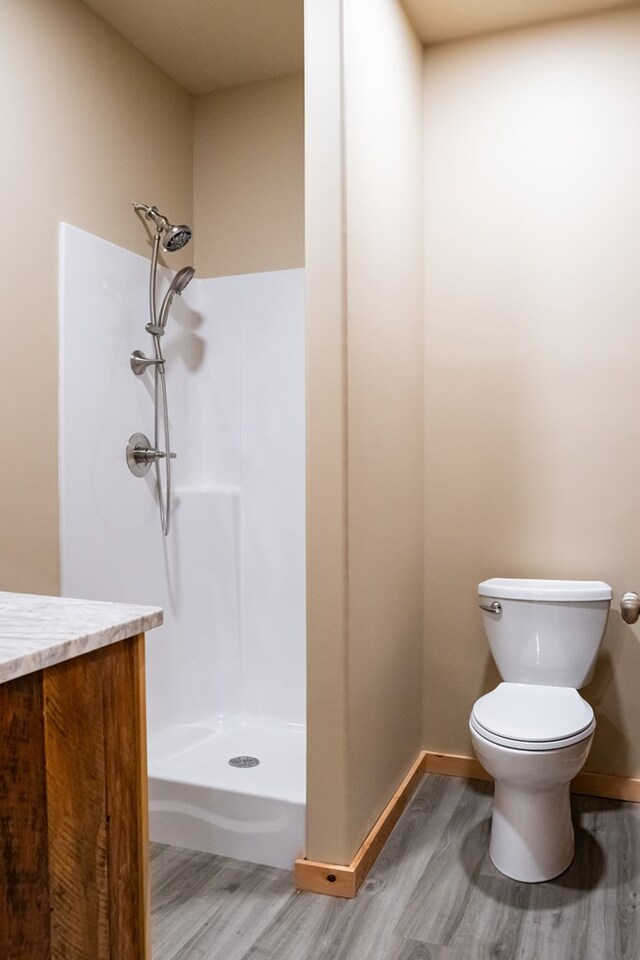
(199, 801)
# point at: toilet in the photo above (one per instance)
(534, 731)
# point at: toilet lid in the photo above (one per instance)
(533, 717)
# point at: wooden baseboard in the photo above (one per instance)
(344, 881)
(591, 784)
(452, 765)
(604, 785)
(340, 880)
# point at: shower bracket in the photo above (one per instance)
(139, 362)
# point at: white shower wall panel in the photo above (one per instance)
(230, 576)
(272, 590)
(254, 441)
(111, 543)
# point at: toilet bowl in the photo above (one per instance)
(534, 731)
(532, 833)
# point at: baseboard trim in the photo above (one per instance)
(606, 786)
(338, 880)
(591, 784)
(452, 765)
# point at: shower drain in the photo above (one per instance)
(244, 762)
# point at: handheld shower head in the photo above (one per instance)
(179, 283)
(183, 278)
(172, 237)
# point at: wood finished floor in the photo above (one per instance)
(433, 895)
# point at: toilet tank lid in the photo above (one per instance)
(551, 591)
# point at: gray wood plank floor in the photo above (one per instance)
(433, 895)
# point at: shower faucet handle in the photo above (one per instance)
(140, 454)
(148, 455)
(630, 606)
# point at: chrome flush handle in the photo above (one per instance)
(494, 607)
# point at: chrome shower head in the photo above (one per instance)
(178, 284)
(172, 237)
(175, 238)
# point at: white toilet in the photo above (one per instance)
(533, 732)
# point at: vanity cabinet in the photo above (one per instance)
(73, 806)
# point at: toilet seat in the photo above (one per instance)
(530, 717)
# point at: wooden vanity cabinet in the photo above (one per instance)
(73, 809)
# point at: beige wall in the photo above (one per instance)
(328, 835)
(249, 178)
(89, 125)
(532, 153)
(365, 409)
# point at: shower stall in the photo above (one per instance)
(226, 672)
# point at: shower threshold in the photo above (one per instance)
(198, 800)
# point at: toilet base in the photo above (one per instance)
(532, 836)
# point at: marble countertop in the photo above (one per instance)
(37, 632)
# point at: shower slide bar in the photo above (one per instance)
(140, 455)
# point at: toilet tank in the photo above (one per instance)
(545, 631)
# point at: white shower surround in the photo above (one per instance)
(226, 672)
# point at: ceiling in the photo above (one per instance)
(439, 20)
(207, 44)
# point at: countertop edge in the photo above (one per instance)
(57, 651)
